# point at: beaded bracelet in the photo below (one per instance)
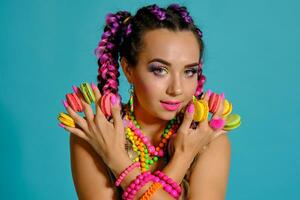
(125, 172)
(151, 190)
(137, 184)
(168, 184)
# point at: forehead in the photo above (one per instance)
(174, 46)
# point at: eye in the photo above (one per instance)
(191, 72)
(158, 70)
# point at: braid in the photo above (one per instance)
(182, 11)
(158, 12)
(123, 35)
(107, 52)
(185, 16)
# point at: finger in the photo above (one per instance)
(75, 131)
(219, 112)
(188, 118)
(217, 134)
(116, 114)
(87, 109)
(77, 118)
(99, 113)
(206, 99)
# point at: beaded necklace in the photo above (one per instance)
(147, 153)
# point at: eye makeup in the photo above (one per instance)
(158, 69)
(192, 70)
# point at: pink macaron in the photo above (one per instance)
(214, 102)
(74, 102)
(105, 104)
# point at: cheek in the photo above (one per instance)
(151, 90)
(190, 87)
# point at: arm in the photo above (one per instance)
(92, 182)
(89, 172)
(175, 169)
(210, 174)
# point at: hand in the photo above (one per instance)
(190, 141)
(106, 138)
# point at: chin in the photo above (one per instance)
(167, 115)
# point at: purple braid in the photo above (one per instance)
(185, 15)
(182, 11)
(158, 12)
(107, 52)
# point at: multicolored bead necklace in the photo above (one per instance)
(147, 153)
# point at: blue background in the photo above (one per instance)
(251, 54)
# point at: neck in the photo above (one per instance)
(151, 126)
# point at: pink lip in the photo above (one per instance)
(170, 105)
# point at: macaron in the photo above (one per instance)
(87, 92)
(227, 108)
(201, 110)
(74, 102)
(106, 104)
(232, 122)
(66, 119)
(213, 102)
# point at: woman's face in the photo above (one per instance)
(166, 71)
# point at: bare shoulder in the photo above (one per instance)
(210, 174)
(89, 173)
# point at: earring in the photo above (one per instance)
(194, 99)
(130, 102)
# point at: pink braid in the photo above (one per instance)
(107, 53)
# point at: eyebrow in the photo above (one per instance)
(169, 64)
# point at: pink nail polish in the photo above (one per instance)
(191, 108)
(93, 86)
(75, 89)
(113, 100)
(209, 93)
(61, 125)
(118, 100)
(223, 95)
(65, 103)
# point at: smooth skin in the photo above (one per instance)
(91, 142)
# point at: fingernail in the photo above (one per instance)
(191, 108)
(93, 86)
(113, 99)
(222, 95)
(65, 103)
(118, 100)
(61, 125)
(75, 89)
(209, 92)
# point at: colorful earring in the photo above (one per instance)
(130, 102)
(194, 99)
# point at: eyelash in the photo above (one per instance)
(154, 69)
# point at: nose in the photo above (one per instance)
(175, 87)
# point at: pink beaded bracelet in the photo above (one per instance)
(169, 185)
(125, 172)
(136, 185)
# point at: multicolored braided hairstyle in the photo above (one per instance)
(123, 34)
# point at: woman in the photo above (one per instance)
(160, 51)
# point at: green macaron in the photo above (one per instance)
(87, 92)
(232, 122)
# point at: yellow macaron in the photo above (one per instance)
(227, 108)
(201, 110)
(66, 119)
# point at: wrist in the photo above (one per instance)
(182, 158)
(118, 163)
